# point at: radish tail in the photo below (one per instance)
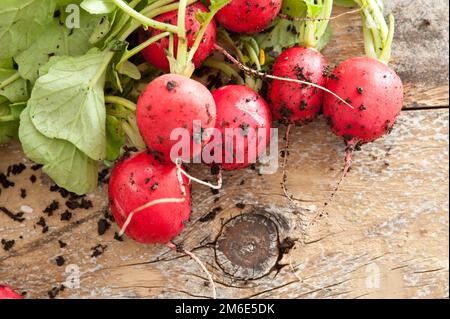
(285, 160)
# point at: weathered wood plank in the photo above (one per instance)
(390, 218)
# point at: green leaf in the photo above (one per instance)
(56, 40)
(98, 6)
(68, 102)
(294, 8)
(22, 21)
(101, 30)
(62, 161)
(115, 137)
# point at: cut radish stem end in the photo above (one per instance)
(200, 263)
(260, 74)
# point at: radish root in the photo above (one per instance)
(285, 160)
(219, 177)
(259, 74)
(200, 263)
(347, 165)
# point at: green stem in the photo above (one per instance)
(10, 80)
(130, 128)
(170, 7)
(315, 25)
(128, 54)
(378, 35)
(325, 16)
(225, 68)
(202, 30)
(253, 55)
(385, 56)
(121, 101)
(143, 19)
(151, 12)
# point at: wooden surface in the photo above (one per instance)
(385, 234)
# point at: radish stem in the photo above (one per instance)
(121, 101)
(143, 19)
(139, 48)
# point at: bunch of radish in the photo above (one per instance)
(150, 191)
(8, 293)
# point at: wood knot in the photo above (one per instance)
(247, 247)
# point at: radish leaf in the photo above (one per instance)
(62, 161)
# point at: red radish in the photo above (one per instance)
(155, 53)
(143, 179)
(7, 293)
(239, 107)
(375, 91)
(248, 16)
(294, 103)
(173, 101)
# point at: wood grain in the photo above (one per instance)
(391, 217)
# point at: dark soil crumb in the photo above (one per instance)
(23, 193)
(60, 261)
(102, 226)
(98, 250)
(8, 244)
(103, 176)
(240, 205)
(5, 182)
(211, 215)
(62, 244)
(86, 204)
(50, 209)
(16, 169)
(36, 167)
(55, 291)
(66, 216)
(72, 204)
(215, 191)
(117, 237)
(109, 216)
(33, 179)
(286, 245)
